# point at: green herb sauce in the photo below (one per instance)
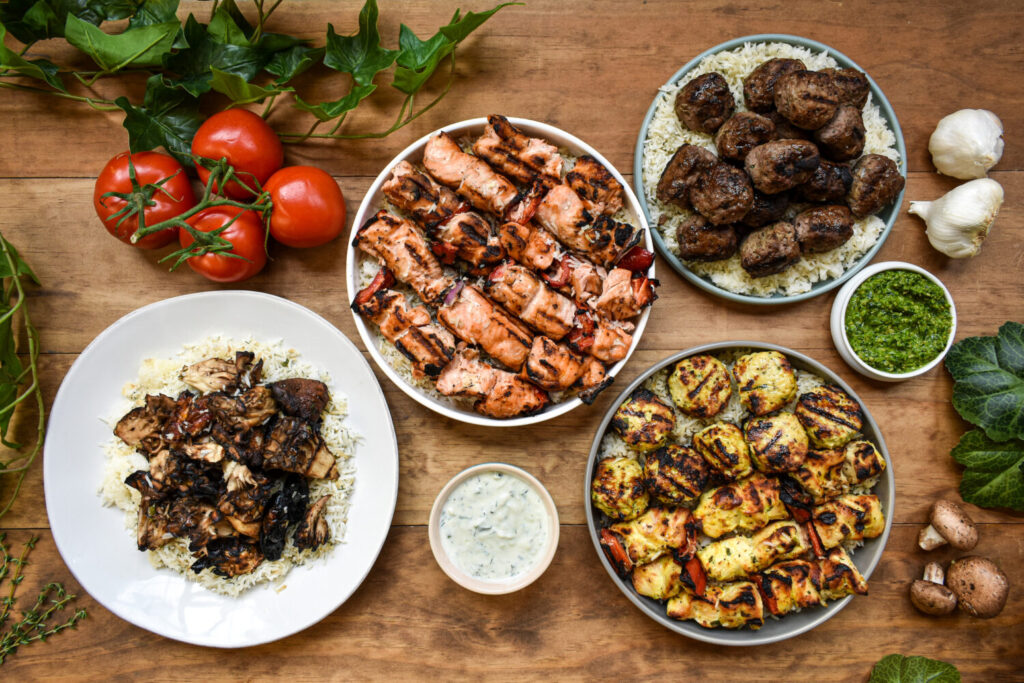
(898, 321)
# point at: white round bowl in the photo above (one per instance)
(491, 586)
(838, 322)
(372, 203)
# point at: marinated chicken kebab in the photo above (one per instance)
(750, 519)
(529, 284)
(230, 463)
(790, 176)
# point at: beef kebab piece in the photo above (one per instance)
(400, 246)
(555, 367)
(475, 319)
(410, 329)
(516, 154)
(500, 394)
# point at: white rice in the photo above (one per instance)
(665, 134)
(161, 375)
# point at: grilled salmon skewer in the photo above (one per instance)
(467, 236)
(517, 155)
(427, 202)
(605, 340)
(555, 367)
(500, 393)
(399, 245)
(536, 304)
(475, 319)
(597, 188)
(411, 330)
(529, 245)
(624, 294)
(603, 240)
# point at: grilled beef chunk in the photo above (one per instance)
(842, 138)
(741, 133)
(765, 209)
(770, 250)
(785, 130)
(702, 241)
(781, 164)
(229, 557)
(823, 228)
(722, 195)
(681, 173)
(305, 398)
(705, 103)
(759, 85)
(808, 99)
(293, 445)
(313, 531)
(829, 183)
(852, 86)
(876, 183)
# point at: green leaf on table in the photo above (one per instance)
(325, 111)
(287, 64)
(228, 26)
(40, 69)
(168, 118)
(361, 54)
(11, 366)
(32, 20)
(194, 64)
(143, 46)
(151, 12)
(462, 25)
(989, 388)
(995, 470)
(241, 91)
(900, 669)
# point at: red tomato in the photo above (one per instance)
(248, 143)
(150, 167)
(309, 209)
(246, 234)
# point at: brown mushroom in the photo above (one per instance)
(948, 523)
(929, 595)
(980, 586)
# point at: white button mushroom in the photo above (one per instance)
(929, 595)
(980, 586)
(948, 523)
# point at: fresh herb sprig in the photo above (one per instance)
(229, 55)
(19, 381)
(35, 623)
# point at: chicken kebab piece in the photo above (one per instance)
(228, 467)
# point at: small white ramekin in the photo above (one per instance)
(838, 322)
(492, 586)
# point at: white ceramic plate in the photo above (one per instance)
(92, 538)
(372, 204)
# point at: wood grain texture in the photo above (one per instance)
(591, 68)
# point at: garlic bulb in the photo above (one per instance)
(967, 143)
(959, 220)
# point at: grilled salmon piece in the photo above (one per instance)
(536, 304)
(475, 319)
(516, 154)
(500, 394)
(605, 340)
(427, 202)
(600, 192)
(400, 246)
(603, 240)
(624, 296)
(469, 176)
(468, 236)
(555, 367)
(529, 245)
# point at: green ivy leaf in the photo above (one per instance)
(241, 91)
(168, 118)
(151, 12)
(289, 63)
(325, 111)
(41, 69)
(989, 388)
(32, 20)
(900, 669)
(995, 470)
(461, 26)
(144, 46)
(224, 26)
(361, 54)
(194, 64)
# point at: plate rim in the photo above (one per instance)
(689, 628)
(57, 532)
(352, 275)
(676, 264)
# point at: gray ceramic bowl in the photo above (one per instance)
(866, 557)
(888, 215)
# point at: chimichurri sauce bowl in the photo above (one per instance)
(893, 321)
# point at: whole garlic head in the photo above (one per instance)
(959, 220)
(967, 143)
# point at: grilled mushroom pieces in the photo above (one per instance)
(294, 446)
(948, 523)
(313, 530)
(229, 557)
(305, 398)
(212, 374)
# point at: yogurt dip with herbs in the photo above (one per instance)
(898, 321)
(494, 526)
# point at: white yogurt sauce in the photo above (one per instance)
(494, 526)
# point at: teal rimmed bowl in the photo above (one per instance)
(888, 215)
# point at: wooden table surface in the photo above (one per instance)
(592, 69)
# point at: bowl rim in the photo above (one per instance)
(842, 301)
(369, 203)
(492, 587)
(749, 638)
(817, 288)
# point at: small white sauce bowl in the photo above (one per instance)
(493, 586)
(838, 322)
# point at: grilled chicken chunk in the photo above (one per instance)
(653, 534)
(516, 154)
(617, 488)
(623, 296)
(555, 367)
(603, 240)
(724, 448)
(766, 381)
(827, 474)
(301, 397)
(294, 446)
(469, 176)
(848, 518)
(398, 245)
(732, 605)
(789, 586)
(643, 421)
(427, 345)
(595, 185)
(658, 580)
(739, 556)
(839, 576)
(745, 505)
(605, 340)
(536, 304)
(699, 385)
(469, 237)
(501, 394)
(778, 443)
(313, 530)
(475, 319)
(427, 202)
(675, 475)
(830, 416)
(529, 245)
